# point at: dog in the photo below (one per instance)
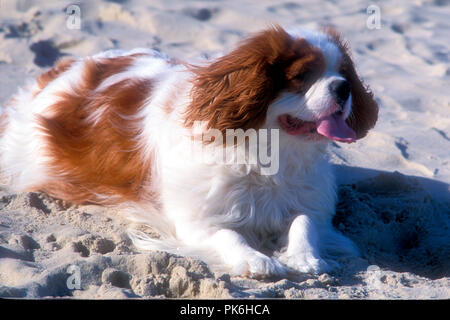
(136, 128)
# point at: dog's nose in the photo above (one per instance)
(340, 90)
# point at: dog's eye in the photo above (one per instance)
(300, 83)
(300, 76)
(304, 75)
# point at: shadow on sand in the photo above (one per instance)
(399, 222)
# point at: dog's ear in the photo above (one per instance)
(364, 113)
(235, 90)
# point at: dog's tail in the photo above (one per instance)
(163, 237)
(145, 242)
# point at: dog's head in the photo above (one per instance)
(302, 82)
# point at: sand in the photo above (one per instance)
(394, 184)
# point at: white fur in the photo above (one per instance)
(227, 214)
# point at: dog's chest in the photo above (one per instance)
(269, 203)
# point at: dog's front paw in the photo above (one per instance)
(306, 262)
(257, 265)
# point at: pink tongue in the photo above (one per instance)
(335, 128)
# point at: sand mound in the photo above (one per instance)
(397, 224)
(401, 230)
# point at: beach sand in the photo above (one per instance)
(394, 197)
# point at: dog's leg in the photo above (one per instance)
(235, 251)
(302, 253)
(243, 259)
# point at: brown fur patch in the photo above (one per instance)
(97, 70)
(364, 107)
(236, 90)
(47, 77)
(4, 118)
(98, 161)
(3, 122)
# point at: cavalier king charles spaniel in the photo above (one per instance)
(184, 148)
